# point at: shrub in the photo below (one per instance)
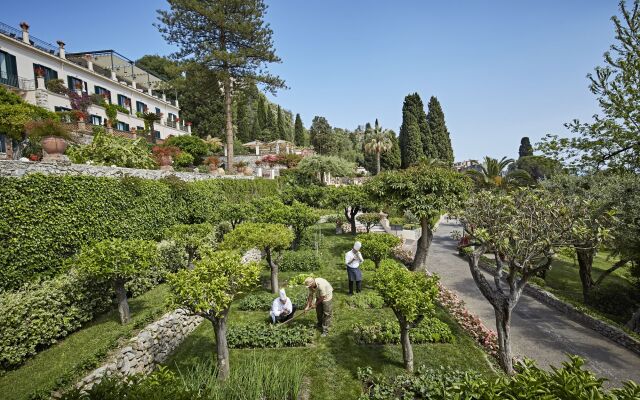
(367, 265)
(172, 256)
(378, 246)
(183, 159)
(113, 150)
(570, 382)
(56, 86)
(365, 300)
(368, 220)
(39, 130)
(430, 330)
(299, 279)
(615, 299)
(258, 336)
(39, 314)
(262, 301)
(193, 238)
(193, 145)
(301, 260)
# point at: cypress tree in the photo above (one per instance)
(299, 138)
(411, 148)
(439, 132)
(282, 134)
(525, 148)
(261, 113)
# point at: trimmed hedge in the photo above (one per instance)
(259, 336)
(48, 218)
(430, 330)
(301, 260)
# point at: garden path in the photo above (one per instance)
(538, 331)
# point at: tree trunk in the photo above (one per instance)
(191, 254)
(407, 350)
(123, 305)
(351, 217)
(274, 271)
(503, 326)
(634, 322)
(228, 123)
(377, 162)
(222, 348)
(585, 262)
(420, 260)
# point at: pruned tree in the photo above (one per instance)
(351, 200)
(234, 213)
(369, 219)
(378, 246)
(269, 238)
(209, 289)
(522, 230)
(427, 192)
(410, 295)
(191, 238)
(228, 37)
(525, 149)
(298, 216)
(118, 261)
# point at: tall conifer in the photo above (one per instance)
(439, 132)
(299, 131)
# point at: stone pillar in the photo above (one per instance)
(259, 172)
(257, 149)
(277, 148)
(89, 61)
(149, 91)
(288, 149)
(224, 146)
(113, 75)
(164, 97)
(177, 104)
(61, 51)
(25, 32)
(134, 84)
(82, 126)
(41, 84)
(272, 173)
(189, 128)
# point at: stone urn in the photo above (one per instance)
(248, 171)
(54, 148)
(165, 162)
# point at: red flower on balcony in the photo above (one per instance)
(39, 72)
(188, 123)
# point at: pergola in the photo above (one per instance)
(275, 147)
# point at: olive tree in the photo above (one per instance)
(378, 246)
(410, 295)
(266, 237)
(209, 289)
(426, 191)
(368, 219)
(351, 200)
(118, 261)
(192, 237)
(522, 230)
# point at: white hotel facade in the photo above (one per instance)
(23, 58)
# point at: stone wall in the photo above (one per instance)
(13, 168)
(149, 347)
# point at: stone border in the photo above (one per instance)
(609, 331)
(17, 169)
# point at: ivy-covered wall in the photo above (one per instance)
(44, 219)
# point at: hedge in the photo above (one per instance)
(257, 336)
(48, 218)
(430, 330)
(300, 260)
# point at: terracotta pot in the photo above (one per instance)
(220, 171)
(165, 160)
(54, 145)
(248, 171)
(34, 157)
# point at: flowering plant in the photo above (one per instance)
(271, 159)
(213, 162)
(39, 72)
(162, 151)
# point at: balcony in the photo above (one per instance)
(17, 82)
(34, 41)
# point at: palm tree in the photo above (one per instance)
(378, 144)
(215, 143)
(491, 173)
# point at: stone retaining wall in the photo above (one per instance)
(611, 332)
(149, 347)
(13, 168)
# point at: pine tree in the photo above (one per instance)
(439, 132)
(299, 132)
(228, 37)
(411, 149)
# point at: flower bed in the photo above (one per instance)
(268, 336)
(469, 322)
(430, 330)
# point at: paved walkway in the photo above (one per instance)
(538, 332)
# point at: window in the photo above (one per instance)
(63, 117)
(158, 112)
(96, 120)
(46, 72)
(3, 144)
(121, 126)
(76, 84)
(156, 134)
(124, 101)
(141, 107)
(140, 128)
(8, 69)
(104, 92)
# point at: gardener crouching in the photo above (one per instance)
(321, 291)
(282, 309)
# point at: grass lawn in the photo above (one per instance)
(563, 280)
(68, 360)
(333, 361)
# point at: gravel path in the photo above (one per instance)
(538, 332)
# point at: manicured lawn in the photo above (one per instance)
(333, 361)
(81, 351)
(564, 280)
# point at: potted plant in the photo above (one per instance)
(164, 155)
(52, 136)
(213, 162)
(240, 166)
(33, 150)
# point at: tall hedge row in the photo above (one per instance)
(45, 219)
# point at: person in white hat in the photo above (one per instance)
(282, 310)
(353, 259)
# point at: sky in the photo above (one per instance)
(500, 69)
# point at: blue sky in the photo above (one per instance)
(501, 69)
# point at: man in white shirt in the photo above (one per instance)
(282, 310)
(353, 259)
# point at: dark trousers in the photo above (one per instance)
(324, 312)
(358, 286)
(285, 318)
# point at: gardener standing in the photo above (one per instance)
(320, 290)
(353, 259)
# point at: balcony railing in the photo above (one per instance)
(18, 82)
(35, 42)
